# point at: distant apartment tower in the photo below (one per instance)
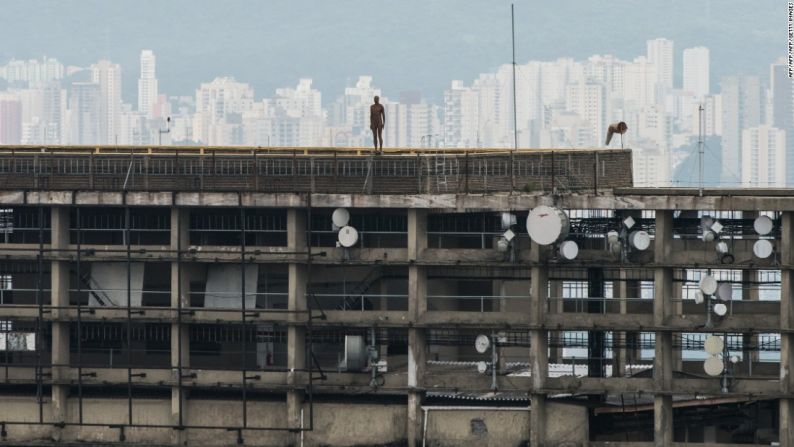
(696, 71)
(147, 83)
(33, 71)
(783, 111)
(588, 100)
(108, 76)
(764, 156)
(461, 113)
(85, 110)
(741, 109)
(660, 53)
(10, 120)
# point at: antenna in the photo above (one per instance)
(515, 112)
(700, 148)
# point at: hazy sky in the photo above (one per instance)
(404, 44)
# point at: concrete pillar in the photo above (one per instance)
(662, 311)
(296, 331)
(417, 306)
(750, 339)
(556, 306)
(620, 291)
(786, 324)
(538, 352)
(180, 340)
(59, 297)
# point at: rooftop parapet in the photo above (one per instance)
(318, 170)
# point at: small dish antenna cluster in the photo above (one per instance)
(715, 294)
(630, 236)
(548, 225)
(347, 236)
(716, 364)
(505, 242)
(711, 230)
(763, 226)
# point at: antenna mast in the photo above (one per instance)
(515, 118)
(700, 148)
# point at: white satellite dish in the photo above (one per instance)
(708, 284)
(348, 236)
(699, 298)
(713, 366)
(502, 245)
(569, 250)
(613, 237)
(709, 236)
(640, 240)
(716, 227)
(340, 217)
(763, 248)
(763, 225)
(547, 225)
(734, 359)
(482, 343)
(509, 235)
(508, 220)
(482, 367)
(722, 247)
(720, 309)
(725, 291)
(714, 344)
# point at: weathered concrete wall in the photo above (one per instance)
(503, 427)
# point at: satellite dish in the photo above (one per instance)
(508, 220)
(722, 247)
(763, 225)
(569, 250)
(716, 227)
(720, 309)
(713, 366)
(616, 247)
(708, 284)
(340, 217)
(699, 298)
(613, 237)
(709, 236)
(547, 225)
(706, 221)
(714, 344)
(482, 343)
(348, 236)
(502, 244)
(725, 291)
(734, 359)
(482, 367)
(509, 235)
(616, 128)
(762, 248)
(640, 240)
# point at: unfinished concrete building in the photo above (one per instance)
(213, 296)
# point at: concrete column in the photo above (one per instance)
(786, 324)
(296, 332)
(555, 292)
(59, 286)
(750, 339)
(180, 340)
(417, 306)
(538, 352)
(662, 311)
(620, 291)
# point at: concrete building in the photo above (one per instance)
(660, 53)
(200, 296)
(696, 71)
(741, 109)
(147, 83)
(107, 76)
(764, 157)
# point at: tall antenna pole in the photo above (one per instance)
(515, 118)
(700, 148)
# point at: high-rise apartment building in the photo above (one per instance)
(763, 156)
(108, 76)
(696, 71)
(741, 109)
(10, 120)
(85, 107)
(660, 53)
(147, 83)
